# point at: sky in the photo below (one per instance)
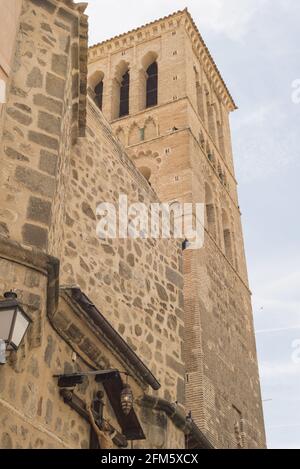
(255, 44)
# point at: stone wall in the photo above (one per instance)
(136, 283)
(41, 121)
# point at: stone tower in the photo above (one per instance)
(168, 104)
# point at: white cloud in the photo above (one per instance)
(231, 18)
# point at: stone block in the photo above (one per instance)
(39, 210)
(55, 86)
(43, 140)
(49, 123)
(35, 181)
(48, 162)
(35, 236)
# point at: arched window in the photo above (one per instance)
(152, 85)
(99, 94)
(124, 95)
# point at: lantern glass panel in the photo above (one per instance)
(6, 321)
(20, 328)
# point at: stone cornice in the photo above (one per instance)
(153, 28)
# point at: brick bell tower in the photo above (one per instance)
(161, 91)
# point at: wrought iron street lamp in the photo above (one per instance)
(14, 323)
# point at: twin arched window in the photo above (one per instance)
(122, 88)
(151, 89)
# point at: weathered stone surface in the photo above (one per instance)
(39, 210)
(130, 260)
(15, 155)
(33, 367)
(174, 277)
(55, 86)
(181, 391)
(108, 249)
(45, 4)
(49, 412)
(46, 27)
(88, 211)
(48, 162)
(2, 382)
(4, 231)
(50, 349)
(35, 181)
(138, 302)
(6, 441)
(50, 104)
(175, 365)
(32, 279)
(59, 64)
(75, 85)
(49, 123)
(35, 236)
(19, 116)
(66, 15)
(138, 330)
(26, 27)
(43, 140)
(23, 107)
(35, 78)
(125, 271)
(161, 292)
(75, 55)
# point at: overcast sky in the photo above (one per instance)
(256, 46)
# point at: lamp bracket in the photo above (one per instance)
(70, 380)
